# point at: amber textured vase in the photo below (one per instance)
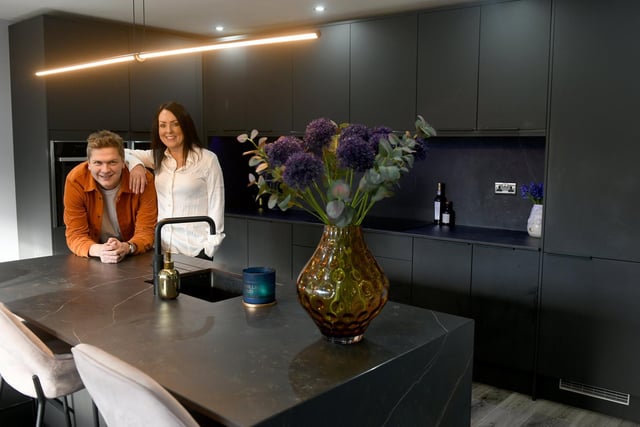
(342, 287)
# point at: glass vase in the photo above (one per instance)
(342, 287)
(534, 223)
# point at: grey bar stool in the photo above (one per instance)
(30, 367)
(126, 396)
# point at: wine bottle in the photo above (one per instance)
(438, 204)
(448, 214)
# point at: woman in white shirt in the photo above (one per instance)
(188, 181)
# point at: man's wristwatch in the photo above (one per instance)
(132, 248)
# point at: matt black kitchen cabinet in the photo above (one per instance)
(174, 78)
(504, 296)
(234, 251)
(80, 102)
(249, 88)
(269, 89)
(383, 71)
(91, 99)
(442, 276)
(448, 68)
(591, 200)
(393, 254)
(485, 68)
(589, 322)
(305, 239)
(321, 77)
(225, 91)
(269, 245)
(514, 65)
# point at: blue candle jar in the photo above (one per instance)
(259, 286)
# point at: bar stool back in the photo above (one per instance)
(124, 395)
(31, 368)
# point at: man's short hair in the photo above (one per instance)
(105, 139)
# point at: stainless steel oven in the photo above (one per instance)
(64, 156)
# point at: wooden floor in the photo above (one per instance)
(492, 407)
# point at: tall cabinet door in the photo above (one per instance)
(383, 72)
(269, 89)
(592, 198)
(589, 322)
(448, 68)
(513, 69)
(175, 78)
(92, 99)
(321, 77)
(225, 92)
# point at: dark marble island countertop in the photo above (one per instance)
(244, 367)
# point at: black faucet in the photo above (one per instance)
(158, 259)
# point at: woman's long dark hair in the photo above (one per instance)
(188, 130)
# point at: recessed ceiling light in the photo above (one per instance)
(219, 28)
(319, 8)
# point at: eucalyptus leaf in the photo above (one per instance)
(335, 208)
(346, 218)
(284, 204)
(273, 201)
(255, 160)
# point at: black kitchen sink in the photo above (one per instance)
(210, 285)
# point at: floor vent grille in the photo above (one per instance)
(597, 392)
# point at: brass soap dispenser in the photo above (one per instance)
(168, 280)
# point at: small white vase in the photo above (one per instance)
(534, 223)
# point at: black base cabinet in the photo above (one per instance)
(393, 254)
(504, 297)
(589, 327)
(269, 245)
(233, 251)
(442, 276)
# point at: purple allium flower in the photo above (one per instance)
(279, 151)
(301, 170)
(355, 153)
(318, 134)
(420, 149)
(356, 130)
(533, 192)
(376, 133)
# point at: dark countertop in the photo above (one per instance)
(410, 227)
(243, 366)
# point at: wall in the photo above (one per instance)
(8, 216)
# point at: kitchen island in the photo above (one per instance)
(243, 366)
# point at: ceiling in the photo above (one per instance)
(202, 16)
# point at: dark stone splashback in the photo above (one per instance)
(468, 166)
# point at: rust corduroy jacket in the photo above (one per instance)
(84, 205)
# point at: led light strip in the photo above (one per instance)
(147, 55)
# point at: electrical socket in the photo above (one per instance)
(505, 188)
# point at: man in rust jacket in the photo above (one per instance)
(103, 217)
